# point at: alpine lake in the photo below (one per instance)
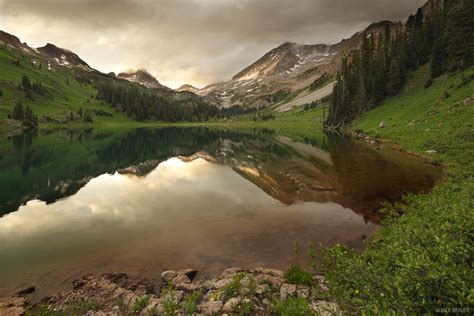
(141, 201)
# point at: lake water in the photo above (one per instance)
(146, 200)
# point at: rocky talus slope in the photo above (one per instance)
(235, 292)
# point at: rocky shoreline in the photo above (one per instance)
(235, 292)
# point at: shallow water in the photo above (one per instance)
(142, 201)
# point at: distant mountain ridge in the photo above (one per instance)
(52, 53)
(286, 69)
(188, 88)
(143, 77)
(285, 59)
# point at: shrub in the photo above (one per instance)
(244, 308)
(297, 275)
(191, 302)
(140, 303)
(251, 290)
(417, 264)
(293, 306)
(170, 306)
(233, 288)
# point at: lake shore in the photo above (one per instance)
(259, 291)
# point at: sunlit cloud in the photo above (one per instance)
(184, 41)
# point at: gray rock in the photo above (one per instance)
(302, 291)
(176, 296)
(188, 287)
(467, 102)
(231, 303)
(180, 278)
(321, 282)
(167, 276)
(230, 272)
(275, 281)
(211, 308)
(245, 281)
(274, 272)
(190, 273)
(172, 277)
(287, 290)
(325, 308)
(382, 125)
(15, 305)
(262, 289)
(217, 284)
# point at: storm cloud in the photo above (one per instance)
(189, 41)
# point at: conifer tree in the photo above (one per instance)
(17, 113)
(460, 35)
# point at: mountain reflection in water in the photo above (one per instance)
(145, 200)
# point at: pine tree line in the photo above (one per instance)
(379, 68)
(25, 115)
(142, 105)
(30, 88)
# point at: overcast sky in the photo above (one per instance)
(189, 41)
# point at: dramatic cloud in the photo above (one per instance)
(189, 41)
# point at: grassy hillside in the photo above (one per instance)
(424, 119)
(422, 260)
(65, 92)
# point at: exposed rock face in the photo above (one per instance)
(285, 59)
(117, 294)
(142, 77)
(286, 69)
(13, 41)
(188, 88)
(63, 57)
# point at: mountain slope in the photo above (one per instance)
(66, 90)
(287, 70)
(142, 77)
(62, 57)
(188, 88)
(433, 234)
(285, 59)
(69, 88)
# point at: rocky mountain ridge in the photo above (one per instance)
(287, 69)
(51, 53)
(188, 88)
(143, 77)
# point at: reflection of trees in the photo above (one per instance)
(23, 140)
(59, 163)
(364, 178)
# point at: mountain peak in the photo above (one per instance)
(288, 59)
(141, 76)
(62, 56)
(13, 41)
(9, 39)
(188, 88)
